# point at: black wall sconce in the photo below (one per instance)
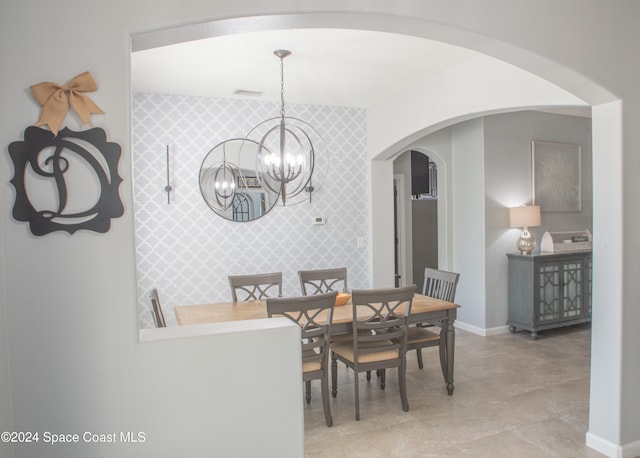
(168, 187)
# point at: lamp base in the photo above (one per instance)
(526, 243)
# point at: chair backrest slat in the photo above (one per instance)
(254, 287)
(323, 281)
(440, 284)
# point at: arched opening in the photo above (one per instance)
(385, 143)
(417, 206)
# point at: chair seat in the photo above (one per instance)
(345, 349)
(420, 335)
(310, 366)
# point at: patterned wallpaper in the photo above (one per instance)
(187, 251)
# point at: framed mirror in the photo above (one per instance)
(228, 181)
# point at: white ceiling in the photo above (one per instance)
(335, 67)
(327, 67)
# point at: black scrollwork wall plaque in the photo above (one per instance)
(82, 167)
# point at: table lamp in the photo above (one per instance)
(525, 217)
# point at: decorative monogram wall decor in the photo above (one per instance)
(44, 159)
(66, 180)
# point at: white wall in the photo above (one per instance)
(577, 60)
(608, 200)
(475, 86)
(469, 229)
(478, 86)
(381, 224)
(200, 395)
(504, 143)
(89, 278)
(6, 423)
(190, 393)
(508, 183)
(75, 361)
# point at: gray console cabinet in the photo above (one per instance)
(549, 290)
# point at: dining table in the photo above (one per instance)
(424, 309)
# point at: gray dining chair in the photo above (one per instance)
(439, 284)
(156, 309)
(322, 281)
(254, 287)
(379, 338)
(313, 314)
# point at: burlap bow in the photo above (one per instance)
(55, 100)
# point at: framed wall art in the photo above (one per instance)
(556, 176)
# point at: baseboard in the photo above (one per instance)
(601, 445)
(499, 330)
(481, 331)
(611, 450)
(631, 450)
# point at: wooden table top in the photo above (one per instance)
(252, 310)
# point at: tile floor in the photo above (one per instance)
(514, 397)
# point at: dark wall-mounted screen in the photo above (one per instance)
(419, 174)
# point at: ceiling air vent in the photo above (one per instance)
(247, 92)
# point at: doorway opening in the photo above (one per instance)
(415, 217)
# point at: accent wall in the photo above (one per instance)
(187, 252)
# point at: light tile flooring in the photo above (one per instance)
(514, 397)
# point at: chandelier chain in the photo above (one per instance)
(282, 87)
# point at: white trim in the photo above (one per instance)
(497, 330)
(398, 181)
(610, 449)
(601, 445)
(630, 450)
(470, 328)
(482, 331)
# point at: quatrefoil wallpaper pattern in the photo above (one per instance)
(187, 251)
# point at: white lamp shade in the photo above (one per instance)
(525, 216)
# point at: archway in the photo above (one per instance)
(388, 141)
(431, 247)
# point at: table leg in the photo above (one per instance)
(447, 352)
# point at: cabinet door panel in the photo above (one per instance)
(549, 282)
(572, 289)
